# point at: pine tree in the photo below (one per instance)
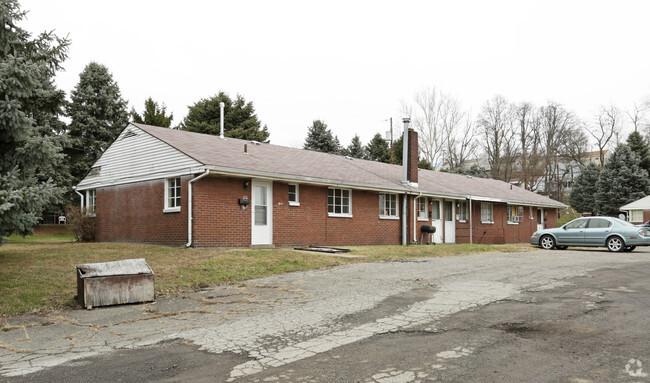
(641, 149)
(584, 189)
(621, 181)
(30, 139)
(355, 149)
(378, 150)
(153, 114)
(98, 114)
(320, 139)
(240, 120)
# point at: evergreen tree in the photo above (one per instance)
(641, 149)
(398, 150)
(240, 120)
(424, 164)
(153, 114)
(320, 139)
(355, 149)
(378, 150)
(30, 140)
(98, 114)
(621, 181)
(584, 189)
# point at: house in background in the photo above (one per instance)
(166, 186)
(638, 211)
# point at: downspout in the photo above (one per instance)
(471, 226)
(82, 198)
(415, 216)
(404, 219)
(189, 206)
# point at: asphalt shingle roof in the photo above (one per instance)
(310, 166)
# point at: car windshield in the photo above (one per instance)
(621, 222)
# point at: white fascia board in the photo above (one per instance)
(301, 179)
(88, 184)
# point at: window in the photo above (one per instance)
(435, 210)
(339, 202)
(449, 211)
(462, 211)
(487, 215)
(636, 215)
(172, 195)
(293, 195)
(599, 223)
(515, 214)
(422, 209)
(577, 224)
(91, 204)
(388, 206)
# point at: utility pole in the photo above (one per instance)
(391, 140)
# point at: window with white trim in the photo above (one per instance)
(512, 214)
(423, 214)
(91, 201)
(636, 215)
(487, 214)
(462, 211)
(388, 206)
(339, 202)
(172, 195)
(294, 199)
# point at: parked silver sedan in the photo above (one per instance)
(613, 233)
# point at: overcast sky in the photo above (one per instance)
(351, 63)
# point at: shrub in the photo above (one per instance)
(81, 224)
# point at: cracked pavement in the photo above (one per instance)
(275, 323)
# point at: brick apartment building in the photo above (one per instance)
(159, 185)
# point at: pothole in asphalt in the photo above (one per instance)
(521, 329)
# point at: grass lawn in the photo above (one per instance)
(37, 273)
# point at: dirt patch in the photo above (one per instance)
(51, 230)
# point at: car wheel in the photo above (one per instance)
(547, 242)
(629, 249)
(615, 244)
(561, 247)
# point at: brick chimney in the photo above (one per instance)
(413, 158)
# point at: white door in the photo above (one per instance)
(540, 219)
(450, 223)
(262, 213)
(436, 219)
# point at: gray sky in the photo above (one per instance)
(351, 63)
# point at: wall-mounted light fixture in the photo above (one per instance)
(245, 185)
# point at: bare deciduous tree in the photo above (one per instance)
(426, 115)
(496, 126)
(603, 129)
(528, 133)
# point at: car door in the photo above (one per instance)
(573, 233)
(597, 231)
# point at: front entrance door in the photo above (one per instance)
(262, 213)
(450, 223)
(436, 219)
(540, 219)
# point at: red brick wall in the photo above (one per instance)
(134, 213)
(501, 231)
(413, 158)
(219, 220)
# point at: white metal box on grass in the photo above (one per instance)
(114, 283)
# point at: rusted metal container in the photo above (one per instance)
(114, 283)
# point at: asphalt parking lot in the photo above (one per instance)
(559, 316)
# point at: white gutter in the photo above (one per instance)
(415, 216)
(471, 225)
(404, 219)
(189, 206)
(82, 198)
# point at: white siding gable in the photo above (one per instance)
(137, 156)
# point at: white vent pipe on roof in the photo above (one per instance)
(221, 106)
(405, 150)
